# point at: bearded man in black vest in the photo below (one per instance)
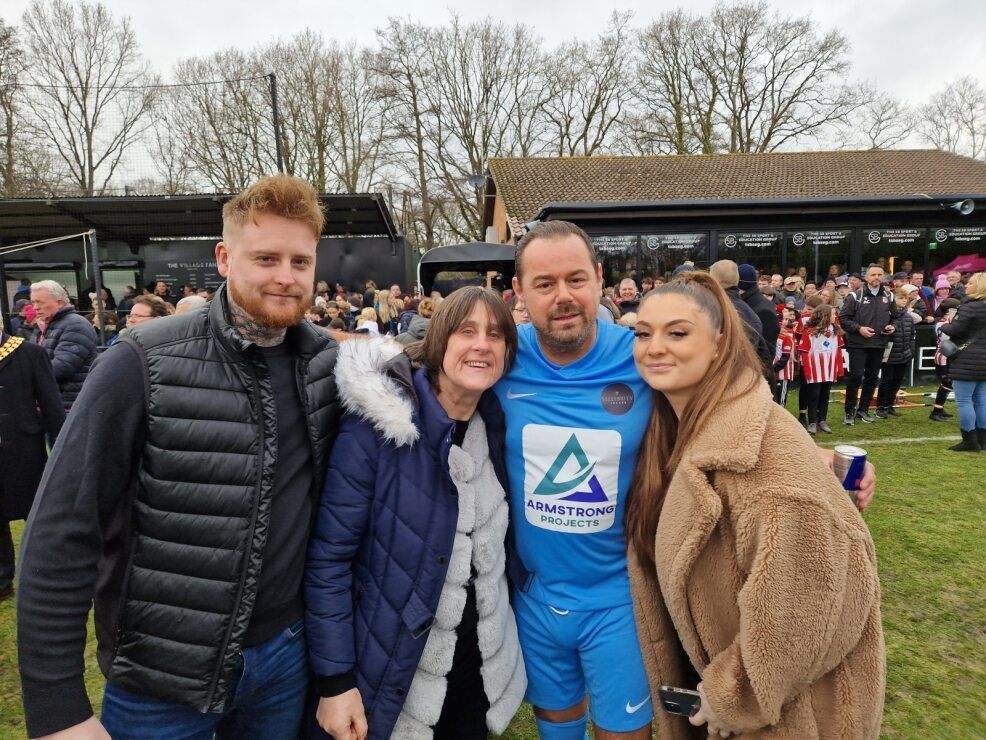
(179, 500)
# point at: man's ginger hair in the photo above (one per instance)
(279, 195)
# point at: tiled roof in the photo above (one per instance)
(527, 185)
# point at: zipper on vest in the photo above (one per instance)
(301, 380)
(258, 401)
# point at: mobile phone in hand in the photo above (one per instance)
(679, 701)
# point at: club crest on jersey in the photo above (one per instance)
(571, 477)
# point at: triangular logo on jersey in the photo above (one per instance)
(550, 485)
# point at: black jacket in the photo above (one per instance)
(968, 326)
(30, 408)
(766, 312)
(157, 502)
(754, 331)
(70, 342)
(861, 309)
(902, 340)
(746, 313)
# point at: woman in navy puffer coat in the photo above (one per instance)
(408, 617)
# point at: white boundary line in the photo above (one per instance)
(893, 441)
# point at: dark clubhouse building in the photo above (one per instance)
(778, 211)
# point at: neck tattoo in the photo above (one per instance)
(251, 329)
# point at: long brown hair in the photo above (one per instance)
(734, 372)
(821, 319)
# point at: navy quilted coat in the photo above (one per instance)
(380, 548)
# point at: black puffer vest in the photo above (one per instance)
(203, 499)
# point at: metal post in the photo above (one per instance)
(272, 78)
(98, 280)
(5, 317)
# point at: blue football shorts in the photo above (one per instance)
(570, 653)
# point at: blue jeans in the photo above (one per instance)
(970, 397)
(267, 699)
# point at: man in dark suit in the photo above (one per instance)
(30, 408)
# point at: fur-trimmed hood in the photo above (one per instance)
(373, 377)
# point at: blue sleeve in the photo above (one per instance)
(340, 525)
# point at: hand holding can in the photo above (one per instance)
(849, 464)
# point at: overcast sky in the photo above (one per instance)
(908, 47)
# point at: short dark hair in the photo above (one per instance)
(429, 353)
(551, 230)
(317, 310)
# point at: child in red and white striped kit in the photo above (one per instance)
(786, 355)
(820, 351)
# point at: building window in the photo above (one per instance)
(947, 243)
(618, 255)
(649, 255)
(821, 252)
(661, 253)
(894, 249)
(762, 249)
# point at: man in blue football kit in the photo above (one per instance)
(576, 411)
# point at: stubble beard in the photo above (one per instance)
(567, 343)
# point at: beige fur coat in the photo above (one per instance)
(766, 586)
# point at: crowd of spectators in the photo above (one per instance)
(775, 309)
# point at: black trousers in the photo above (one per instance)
(802, 393)
(464, 711)
(864, 369)
(6, 555)
(944, 386)
(780, 392)
(891, 379)
(816, 397)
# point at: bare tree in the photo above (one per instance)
(954, 119)
(11, 68)
(882, 121)
(357, 120)
(170, 154)
(677, 90)
(484, 75)
(219, 113)
(780, 81)
(90, 94)
(590, 87)
(403, 64)
(331, 112)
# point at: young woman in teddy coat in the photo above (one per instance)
(756, 588)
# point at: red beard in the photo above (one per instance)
(278, 318)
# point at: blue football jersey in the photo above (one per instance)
(572, 437)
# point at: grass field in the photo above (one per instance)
(929, 524)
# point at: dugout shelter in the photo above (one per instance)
(134, 240)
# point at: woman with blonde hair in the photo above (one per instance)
(388, 310)
(755, 587)
(366, 322)
(967, 368)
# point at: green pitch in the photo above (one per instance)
(929, 524)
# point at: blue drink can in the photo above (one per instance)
(849, 463)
